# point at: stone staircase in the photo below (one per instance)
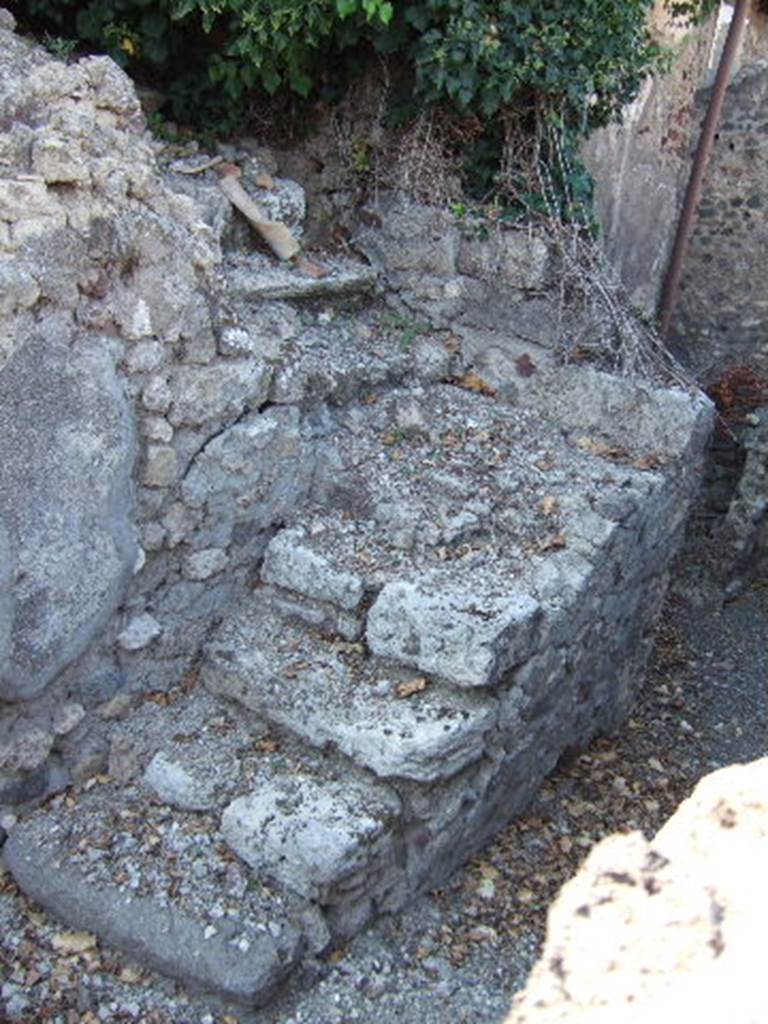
(462, 589)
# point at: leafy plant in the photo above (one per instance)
(529, 64)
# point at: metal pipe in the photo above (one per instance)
(709, 126)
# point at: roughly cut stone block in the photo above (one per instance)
(314, 837)
(55, 160)
(139, 633)
(201, 565)
(176, 785)
(18, 287)
(67, 718)
(328, 696)
(257, 470)
(67, 445)
(161, 466)
(25, 749)
(220, 391)
(157, 396)
(468, 639)
(289, 564)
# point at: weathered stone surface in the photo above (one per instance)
(259, 277)
(162, 935)
(161, 466)
(201, 565)
(24, 747)
(518, 259)
(641, 418)
(174, 784)
(521, 547)
(641, 165)
(290, 565)
(459, 635)
(67, 445)
(257, 470)
(25, 787)
(218, 393)
(157, 395)
(314, 837)
(268, 325)
(333, 699)
(746, 523)
(67, 717)
(652, 929)
(139, 632)
(447, 277)
(721, 316)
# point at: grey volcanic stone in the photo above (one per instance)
(176, 785)
(329, 697)
(287, 563)
(214, 393)
(257, 278)
(312, 836)
(67, 447)
(468, 639)
(164, 937)
(257, 470)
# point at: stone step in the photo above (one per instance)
(442, 533)
(257, 277)
(463, 623)
(331, 841)
(224, 887)
(160, 886)
(334, 697)
(321, 352)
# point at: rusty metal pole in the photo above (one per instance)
(709, 126)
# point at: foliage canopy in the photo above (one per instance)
(571, 64)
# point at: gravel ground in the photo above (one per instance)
(459, 954)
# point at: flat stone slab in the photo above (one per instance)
(463, 637)
(258, 277)
(333, 697)
(67, 549)
(159, 885)
(295, 566)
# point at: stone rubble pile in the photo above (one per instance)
(299, 606)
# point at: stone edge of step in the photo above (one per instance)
(165, 939)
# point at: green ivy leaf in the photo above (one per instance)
(346, 7)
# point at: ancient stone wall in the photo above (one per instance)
(641, 169)
(117, 369)
(641, 166)
(722, 313)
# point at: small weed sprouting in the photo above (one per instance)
(64, 49)
(404, 329)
